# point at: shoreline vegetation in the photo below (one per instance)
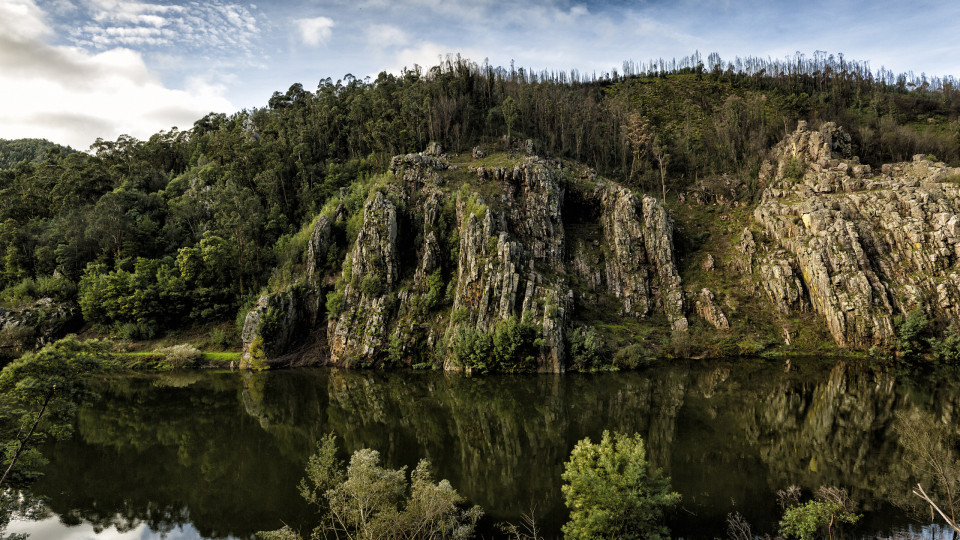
(480, 219)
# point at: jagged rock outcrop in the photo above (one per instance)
(867, 247)
(281, 321)
(360, 329)
(320, 243)
(511, 255)
(442, 248)
(277, 324)
(640, 265)
(35, 325)
(709, 311)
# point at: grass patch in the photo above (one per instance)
(222, 357)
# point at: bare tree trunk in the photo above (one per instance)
(923, 495)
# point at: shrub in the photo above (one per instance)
(794, 169)
(179, 356)
(219, 338)
(136, 331)
(334, 304)
(472, 349)
(830, 507)
(612, 492)
(946, 349)
(911, 333)
(28, 289)
(372, 284)
(257, 360)
(586, 348)
(511, 347)
(57, 287)
(632, 357)
(365, 500)
(516, 345)
(22, 292)
(436, 290)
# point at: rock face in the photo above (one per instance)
(511, 255)
(35, 325)
(359, 331)
(709, 311)
(856, 247)
(434, 257)
(280, 322)
(640, 263)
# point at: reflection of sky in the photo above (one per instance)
(53, 529)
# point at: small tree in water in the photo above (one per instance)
(612, 492)
(930, 448)
(366, 501)
(828, 510)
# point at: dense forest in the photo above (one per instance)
(188, 226)
(15, 151)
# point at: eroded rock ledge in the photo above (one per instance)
(443, 247)
(857, 246)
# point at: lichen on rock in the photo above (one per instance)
(868, 248)
(443, 248)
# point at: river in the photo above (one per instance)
(218, 454)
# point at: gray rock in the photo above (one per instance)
(860, 249)
(709, 311)
(34, 325)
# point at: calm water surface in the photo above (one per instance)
(214, 455)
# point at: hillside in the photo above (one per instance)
(640, 205)
(13, 152)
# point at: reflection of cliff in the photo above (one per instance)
(226, 451)
(501, 440)
(729, 436)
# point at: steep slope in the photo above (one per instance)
(468, 251)
(856, 246)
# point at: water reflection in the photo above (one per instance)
(221, 453)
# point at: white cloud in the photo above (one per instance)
(385, 36)
(71, 96)
(315, 31)
(204, 27)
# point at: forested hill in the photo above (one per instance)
(190, 226)
(14, 151)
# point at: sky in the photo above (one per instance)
(75, 70)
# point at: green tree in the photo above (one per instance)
(830, 508)
(39, 394)
(510, 113)
(612, 492)
(367, 501)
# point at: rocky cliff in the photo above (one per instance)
(450, 245)
(857, 246)
(36, 324)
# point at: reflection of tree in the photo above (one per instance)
(168, 456)
(15, 504)
(226, 452)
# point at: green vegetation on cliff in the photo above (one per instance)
(192, 226)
